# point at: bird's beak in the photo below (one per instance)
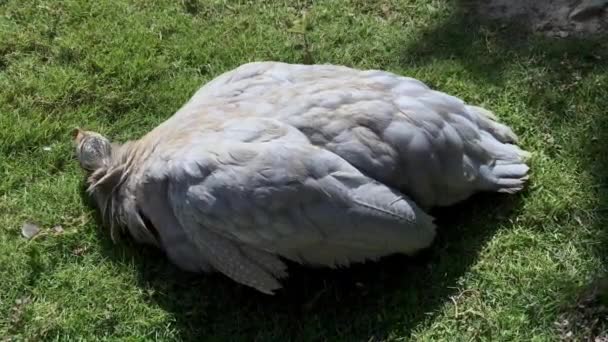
(77, 135)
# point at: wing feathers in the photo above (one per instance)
(226, 257)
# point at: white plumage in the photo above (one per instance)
(319, 164)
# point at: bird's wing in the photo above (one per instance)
(431, 145)
(241, 204)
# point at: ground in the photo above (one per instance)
(525, 267)
(559, 18)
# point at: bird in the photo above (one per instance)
(323, 165)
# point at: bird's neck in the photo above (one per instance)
(110, 188)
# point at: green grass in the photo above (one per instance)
(503, 268)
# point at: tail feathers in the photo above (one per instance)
(266, 260)
(489, 122)
(500, 152)
(510, 178)
(506, 168)
(518, 155)
(510, 170)
(505, 177)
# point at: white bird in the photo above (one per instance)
(319, 164)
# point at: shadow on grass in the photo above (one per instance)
(487, 48)
(486, 51)
(585, 314)
(352, 304)
(396, 293)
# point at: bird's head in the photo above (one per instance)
(93, 150)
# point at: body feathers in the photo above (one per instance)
(323, 164)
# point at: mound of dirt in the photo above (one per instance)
(560, 18)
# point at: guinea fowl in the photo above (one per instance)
(319, 164)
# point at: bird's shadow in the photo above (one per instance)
(352, 303)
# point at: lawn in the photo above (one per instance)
(503, 268)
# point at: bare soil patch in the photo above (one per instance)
(560, 18)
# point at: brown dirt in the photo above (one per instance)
(550, 17)
(587, 319)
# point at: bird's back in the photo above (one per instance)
(435, 147)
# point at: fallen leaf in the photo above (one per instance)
(80, 251)
(386, 10)
(29, 230)
(58, 229)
